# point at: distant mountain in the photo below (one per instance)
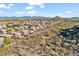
(27, 17)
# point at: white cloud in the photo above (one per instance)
(35, 2)
(2, 5)
(31, 12)
(11, 5)
(68, 11)
(21, 12)
(29, 8)
(42, 6)
(6, 6)
(44, 1)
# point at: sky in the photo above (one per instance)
(41, 9)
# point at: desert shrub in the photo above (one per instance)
(6, 41)
(30, 27)
(70, 33)
(16, 25)
(9, 26)
(9, 29)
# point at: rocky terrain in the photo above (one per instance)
(38, 38)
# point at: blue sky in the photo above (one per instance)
(45, 9)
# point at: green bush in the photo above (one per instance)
(6, 41)
(9, 26)
(9, 29)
